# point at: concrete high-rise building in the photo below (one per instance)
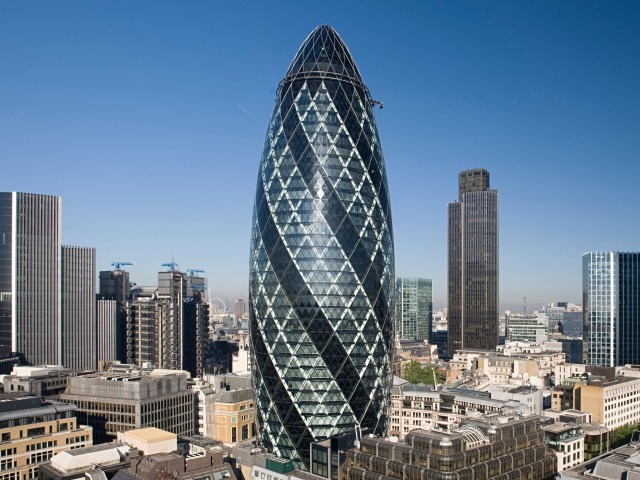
(414, 308)
(611, 308)
(78, 287)
(106, 329)
(322, 263)
(473, 264)
(30, 231)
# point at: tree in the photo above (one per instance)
(622, 435)
(414, 372)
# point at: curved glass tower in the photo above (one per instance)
(322, 268)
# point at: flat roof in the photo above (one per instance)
(151, 434)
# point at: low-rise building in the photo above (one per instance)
(490, 447)
(87, 462)
(43, 381)
(32, 431)
(421, 407)
(113, 402)
(567, 440)
(234, 416)
(621, 463)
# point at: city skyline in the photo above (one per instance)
(113, 106)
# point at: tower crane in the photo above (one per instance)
(120, 264)
(172, 265)
(192, 272)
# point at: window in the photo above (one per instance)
(245, 432)
(234, 434)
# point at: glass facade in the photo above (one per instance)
(322, 265)
(473, 264)
(414, 308)
(611, 297)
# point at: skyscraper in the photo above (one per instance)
(611, 302)
(115, 285)
(78, 287)
(322, 265)
(414, 308)
(473, 264)
(30, 231)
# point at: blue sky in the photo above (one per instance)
(148, 118)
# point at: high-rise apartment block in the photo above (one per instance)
(30, 231)
(322, 265)
(78, 287)
(611, 303)
(473, 264)
(414, 308)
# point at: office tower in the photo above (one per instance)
(115, 285)
(167, 328)
(414, 308)
(322, 266)
(611, 302)
(239, 310)
(106, 329)
(78, 286)
(473, 264)
(30, 230)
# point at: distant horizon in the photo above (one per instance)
(149, 120)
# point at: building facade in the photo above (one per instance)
(490, 447)
(117, 402)
(107, 312)
(32, 431)
(611, 298)
(168, 326)
(567, 440)
(115, 285)
(79, 336)
(322, 262)
(414, 308)
(30, 231)
(473, 264)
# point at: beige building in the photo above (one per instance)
(32, 431)
(612, 403)
(234, 416)
(418, 407)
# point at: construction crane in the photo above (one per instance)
(172, 265)
(120, 264)
(192, 272)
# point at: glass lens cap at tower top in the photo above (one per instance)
(322, 265)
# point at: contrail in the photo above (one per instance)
(248, 114)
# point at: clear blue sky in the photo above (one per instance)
(148, 118)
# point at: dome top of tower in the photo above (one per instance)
(323, 54)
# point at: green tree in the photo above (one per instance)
(622, 435)
(414, 372)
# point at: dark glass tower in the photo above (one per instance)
(473, 264)
(322, 268)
